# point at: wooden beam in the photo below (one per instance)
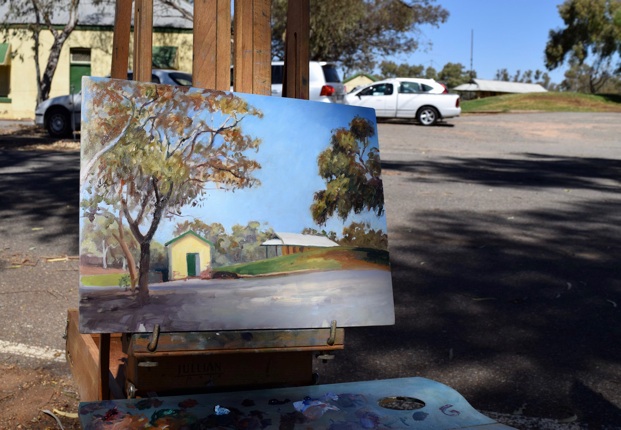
(262, 48)
(212, 44)
(252, 46)
(295, 81)
(143, 40)
(120, 39)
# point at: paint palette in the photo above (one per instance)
(209, 210)
(392, 404)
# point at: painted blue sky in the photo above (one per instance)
(509, 34)
(293, 133)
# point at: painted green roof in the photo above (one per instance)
(189, 232)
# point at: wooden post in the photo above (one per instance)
(252, 47)
(211, 63)
(143, 40)
(295, 81)
(120, 39)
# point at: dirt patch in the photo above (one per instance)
(93, 270)
(34, 138)
(26, 393)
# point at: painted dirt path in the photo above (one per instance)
(293, 301)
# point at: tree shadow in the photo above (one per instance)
(508, 311)
(39, 191)
(526, 170)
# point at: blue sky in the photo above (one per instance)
(509, 34)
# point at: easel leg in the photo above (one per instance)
(104, 366)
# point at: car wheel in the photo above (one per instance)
(58, 123)
(427, 115)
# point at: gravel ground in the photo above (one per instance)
(504, 238)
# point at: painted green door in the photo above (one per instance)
(76, 71)
(192, 261)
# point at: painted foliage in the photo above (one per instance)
(210, 210)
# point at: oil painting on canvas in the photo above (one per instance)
(210, 210)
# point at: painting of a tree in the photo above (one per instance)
(351, 169)
(153, 149)
(212, 210)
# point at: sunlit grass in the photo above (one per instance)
(547, 102)
(107, 280)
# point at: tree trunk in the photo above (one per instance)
(129, 258)
(104, 260)
(143, 276)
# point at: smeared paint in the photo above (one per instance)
(221, 411)
(419, 416)
(450, 412)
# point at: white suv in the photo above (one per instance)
(324, 82)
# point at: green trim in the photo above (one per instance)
(5, 100)
(5, 51)
(189, 232)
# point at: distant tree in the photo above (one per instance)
(314, 232)
(502, 75)
(159, 153)
(361, 234)
(592, 31)
(351, 170)
(356, 32)
(40, 15)
(390, 69)
(453, 74)
(431, 73)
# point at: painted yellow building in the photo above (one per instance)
(87, 51)
(188, 255)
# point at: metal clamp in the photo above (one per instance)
(155, 337)
(332, 337)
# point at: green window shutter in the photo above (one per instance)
(165, 57)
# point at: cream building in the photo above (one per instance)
(87, 51)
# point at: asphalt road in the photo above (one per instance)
(505, 240)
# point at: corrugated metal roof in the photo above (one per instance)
(500, 87)
(102, 14)
(297, 239)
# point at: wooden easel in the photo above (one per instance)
(287, 354)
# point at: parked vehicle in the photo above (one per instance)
(60, 116)
(404, 98)
(324, 82)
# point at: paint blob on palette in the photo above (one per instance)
(211, 210)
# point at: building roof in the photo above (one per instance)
(359, 75)
(500, 87)
(191, 233)
(296, 239)
(91, 13)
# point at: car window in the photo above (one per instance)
(377, 90)
(278, 72)
(330, 73)
(154, 79)
(409, 87)
(426, 88)
(181, 78)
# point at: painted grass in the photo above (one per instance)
(101, 280)
(318, 259)
(547, 102)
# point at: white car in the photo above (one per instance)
(324, 82)
(406, 99)
(60, 116)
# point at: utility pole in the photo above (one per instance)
(471, 53)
